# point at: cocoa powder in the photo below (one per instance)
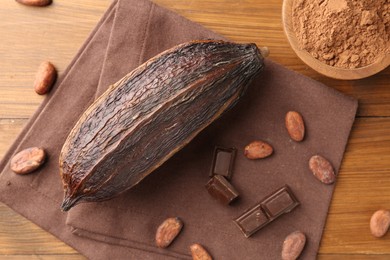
(343, 33)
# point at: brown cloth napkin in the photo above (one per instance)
(123, 228)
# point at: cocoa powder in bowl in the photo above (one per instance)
(343, 33)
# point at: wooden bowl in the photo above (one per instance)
(330, 71)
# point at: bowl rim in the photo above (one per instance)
(324, 69)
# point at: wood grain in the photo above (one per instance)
(42, 257)
(31, 35)
(21, 237)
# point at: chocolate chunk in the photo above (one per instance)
(223, 161)
(278, 203)
(220, 189)
(252, 220)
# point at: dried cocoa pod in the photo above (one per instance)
(150, 114)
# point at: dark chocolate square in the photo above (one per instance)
(220, 189)
(278, 203)
(252, 220)
(223, 162)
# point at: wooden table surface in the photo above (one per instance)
(31, 35)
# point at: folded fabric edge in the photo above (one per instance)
(127, 243)
(31, 121)
(59, 230)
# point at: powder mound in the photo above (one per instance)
(343, 33)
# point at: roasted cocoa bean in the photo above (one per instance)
(168, 231)
(258, 150)
(380, 223)
(295, 126)
(293, 245)
(28, 160)
(198, 252)
(45, 78)
(35, 2)
(322, 169)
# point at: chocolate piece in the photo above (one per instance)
(278, 203)
(252, 220)
(219, 188)
(223, 161)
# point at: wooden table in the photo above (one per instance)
(31, 35)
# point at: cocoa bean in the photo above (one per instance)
(322, 169)
(258, 150)
(35, 2)
(295, 126)
(198, 252)
(28, 160)
(45, 78)
(380, 223)
(168, 231)
(293, 245)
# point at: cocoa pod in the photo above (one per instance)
(45, 78)
(27, 160)
(380, 223)
(35, 2)
(150, 114)
(322, 169)
(295, 126)
(293, 245)
(168, 231)
(258, 150)
(198, 252)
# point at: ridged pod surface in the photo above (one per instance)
(150, 114)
